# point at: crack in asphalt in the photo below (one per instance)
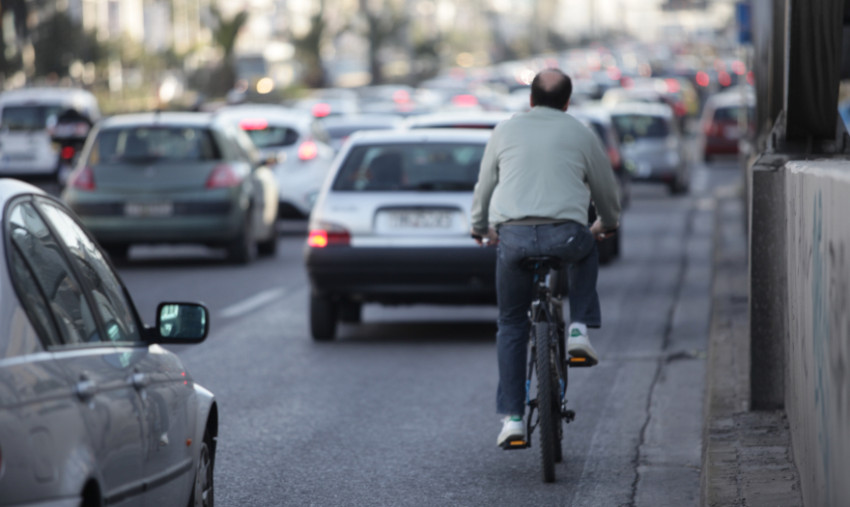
(665, 344)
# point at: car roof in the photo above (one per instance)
(436, 135)
(168, 118)
(47, 95)
(458, 117)
(642, 108)
(10, 188)
(731, 98)
(362, 119)
(274, 112)
(592, 111)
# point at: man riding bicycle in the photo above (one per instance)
(538, 174)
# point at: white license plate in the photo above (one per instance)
(732, 132)
(155, 209)
(420, 220)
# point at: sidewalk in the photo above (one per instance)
(746, 458)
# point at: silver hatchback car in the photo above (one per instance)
(93, 411)
(391, 226)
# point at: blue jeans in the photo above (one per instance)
(576, 246)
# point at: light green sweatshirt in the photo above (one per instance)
(544, 164)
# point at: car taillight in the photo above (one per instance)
(614, 157)
(328, 235)
(223, 176)
(308, 150)
(67, 153)
(711, 129)
(82, 179)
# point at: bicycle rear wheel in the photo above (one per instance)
(549, 412)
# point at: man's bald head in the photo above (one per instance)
(551, 88)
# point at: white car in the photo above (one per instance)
(26, 118)
(392, 226)
(93, 410)
(296, 147)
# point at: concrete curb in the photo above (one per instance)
(746, 456)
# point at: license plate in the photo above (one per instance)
(420, 220)
(18, 157)
(732, 132)
(157, 209)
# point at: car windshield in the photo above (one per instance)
(145, 144)
(269, 136)
(637, 126)
(27, 118)
(411, 167)
(730, 114)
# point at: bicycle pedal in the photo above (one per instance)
(510, 445)
(579, 362)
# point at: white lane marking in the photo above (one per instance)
(251, 303)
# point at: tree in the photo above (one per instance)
(225, 34)
(309, 49)
(382, 26)
(58, 42)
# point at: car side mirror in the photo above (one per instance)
(181, 323)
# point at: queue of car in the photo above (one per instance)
(95, 410)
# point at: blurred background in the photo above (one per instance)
(193, 54)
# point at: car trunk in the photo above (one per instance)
(145, 176)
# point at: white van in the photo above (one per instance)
(26, 117)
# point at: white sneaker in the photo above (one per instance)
(578, 345)
(513, 432)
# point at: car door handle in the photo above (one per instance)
(86, 389)
(140, 380)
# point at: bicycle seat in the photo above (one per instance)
(541, 263)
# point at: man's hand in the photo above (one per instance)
(489, 239)
(599, 232)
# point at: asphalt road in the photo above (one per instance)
(400, 410)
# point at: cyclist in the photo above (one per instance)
(538, 173)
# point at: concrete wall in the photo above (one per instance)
(817, 394)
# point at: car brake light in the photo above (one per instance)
(321, 110)
(308, 150)
(67, 153)
(254, 124)
(82, 179)
(614, 157)
(328, 235)
(223, 176)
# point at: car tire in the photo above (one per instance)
(268, 248)
(203, 492)
(118, 252)
(243, 248)
(351, 312)
(324, 312)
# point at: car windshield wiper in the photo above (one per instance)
(441, 185)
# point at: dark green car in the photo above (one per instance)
(159, 178)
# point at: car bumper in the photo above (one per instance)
(199, 223)
(404, 275)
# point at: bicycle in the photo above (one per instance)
(546, 382)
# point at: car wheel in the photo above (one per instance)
(202, 488)
(243, 248)
(268, 248)
(351, 312)
(324, 312)
(118, 252)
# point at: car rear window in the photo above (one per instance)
(434, 167)
(145, 144)
(269, 136)
(637, 126)
(28, 117)
(730, 114)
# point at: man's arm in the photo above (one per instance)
(488, 176)
(604, 189)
